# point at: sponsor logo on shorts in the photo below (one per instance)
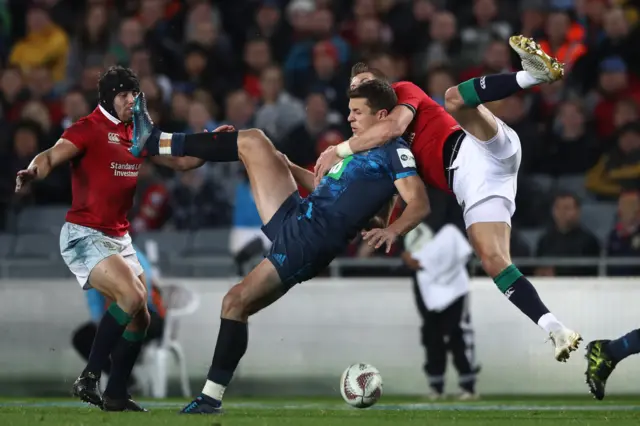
(509, 292)
(125, 169)
(483, 82)
(109, 245)
(113, 138)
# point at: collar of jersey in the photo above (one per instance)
(110, 117)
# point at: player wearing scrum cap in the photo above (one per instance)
(94, 241)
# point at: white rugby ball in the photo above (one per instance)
(361, 385)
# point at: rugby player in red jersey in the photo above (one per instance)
(466, 150)
(94, 241)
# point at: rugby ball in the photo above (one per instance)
(417, 238)
(361, 385)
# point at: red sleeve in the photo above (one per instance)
(77, 134)
(409, 95)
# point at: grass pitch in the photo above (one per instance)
(509, 411)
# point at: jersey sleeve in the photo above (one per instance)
(77, 134)
(403, 163)
(409, 95)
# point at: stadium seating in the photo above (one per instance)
(41, 219)
(599, 218)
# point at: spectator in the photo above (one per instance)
(74, 107)
(614, 85)
(45, 44)
(624, 239)
(257, 57)
(438, 81)
(618, 170)
(270, 26)
(198, 203)
(564, 38)
(486, 27)
(13, 92)
(280, 112)
(130, 36)
(93, 40)
(571, 147)
(141, 64)
(627, 111)
(495, 60)
(300, 144)
(567, 238)
(443, 47)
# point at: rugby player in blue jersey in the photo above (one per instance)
(307, 233)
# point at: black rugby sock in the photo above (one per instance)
(210, 146)
(110, 329)
(521, 293)
(231, 346)
(123, 359)
(488, 88)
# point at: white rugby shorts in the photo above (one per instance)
(83, 248)
(486, 171)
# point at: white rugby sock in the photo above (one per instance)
(214, 390)
(549, 323)
(526, 80)
(165, 143)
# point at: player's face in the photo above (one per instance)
(361, 78)
(123, 103)
(361, 117)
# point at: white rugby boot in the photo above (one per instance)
(565, 342)
(535, 61)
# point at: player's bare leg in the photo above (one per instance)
(113, 278)
(256, 291)
(464, 101)
(490, 241)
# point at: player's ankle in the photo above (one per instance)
(549, 323)
(214, 390)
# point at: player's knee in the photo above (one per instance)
(133, 298)
(453, 99)
(251, 141)
(233, 305)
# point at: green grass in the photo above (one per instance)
(496, 411)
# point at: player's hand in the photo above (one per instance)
(225, 128)
(326, 161)
(379, 237)
(25, 176)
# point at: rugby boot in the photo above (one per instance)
(565, 342)
(535, 61)
(599, 368)
(87, 388)
(203, 404)
(125, 404)
(143, 128)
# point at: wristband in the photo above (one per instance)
(343, 149)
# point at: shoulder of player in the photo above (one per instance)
(398, 142)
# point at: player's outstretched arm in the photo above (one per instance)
(414, 194)
(42, 164)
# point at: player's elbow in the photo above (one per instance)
(453, 99)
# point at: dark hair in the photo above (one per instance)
(361, 68)
(379, 95)
(633, 127)
(568, 194)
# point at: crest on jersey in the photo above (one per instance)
(406, 157)
(113, 138)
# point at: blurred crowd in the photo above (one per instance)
(283, 66)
